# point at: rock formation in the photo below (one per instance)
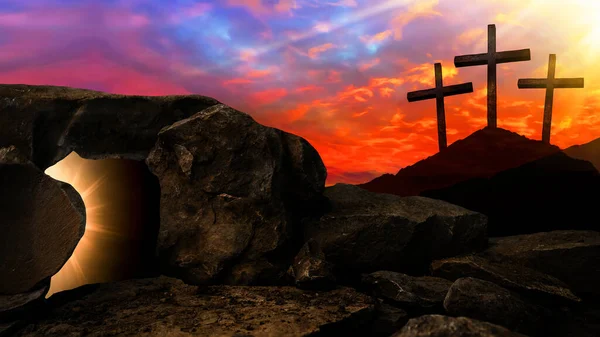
(365, 232)
(231, 193)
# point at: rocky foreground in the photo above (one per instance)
(251, 243)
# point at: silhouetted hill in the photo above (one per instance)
(554, 192)
(588, 151)
(480, 155)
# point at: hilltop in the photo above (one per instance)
(482, 154)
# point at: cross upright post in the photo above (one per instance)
(439, 92)
(492, 58)
(550, 83)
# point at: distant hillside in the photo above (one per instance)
(481, 155)
(589, 151)
(550, 193)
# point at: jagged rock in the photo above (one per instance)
(14, 307)
(423, 292)
(310, 269)
(46, 123)
(556, 192)
(41, 221)
(571, 256)
(444, 326)
(508, 275)
(231, 190)
(365, 232)
(168, 307)
(489, 302)
(388, 319)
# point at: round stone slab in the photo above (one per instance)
(41, 222)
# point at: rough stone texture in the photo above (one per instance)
(310, 269)
(230, 191)
(365, 232)
(388, 319)
(168, 307)
(420, 292)
(571, 256)
(46, 123)
(489, 302)
(444, 326)
(42, 220)
(13, 307)
(508, 275)
(555, 192)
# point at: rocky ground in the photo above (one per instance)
(251, 243)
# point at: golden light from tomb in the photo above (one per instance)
(122, 213)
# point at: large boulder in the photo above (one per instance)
(46, 123)
(167, 307)
(422, 293)
(571, 256)
(445, 326)
(515, 277)
(41, 221)
(232, 191)
(489, 302)
(15, 307)
(365, 232)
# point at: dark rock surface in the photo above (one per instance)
(42, 220)
(515, 277)
(365, 232)
(571, 256)
(489, 302)
(551, 193)
(46, 123)
(482, 154)
(444, 326)
(231, 193)
(310, 269)
(14, 307)
(168, 307)
(388, 319)
(423, 292)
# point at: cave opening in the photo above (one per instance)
(122, 199)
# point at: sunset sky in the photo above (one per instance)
(333, 72)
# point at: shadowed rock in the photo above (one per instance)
(42, 220)
(310, 269)
(444, 326)
(511, 276)
(365, 232)
(231, 191)
(417, 292)
(14, 307)
(168, 307)
(571, 256)
(489, 302)
(46, 123)
(388, 319)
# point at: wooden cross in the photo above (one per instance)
(491, 58)
(439, 92)
(549, 83)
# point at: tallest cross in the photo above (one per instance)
(491, 58)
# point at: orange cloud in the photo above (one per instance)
(368, 64)
(418, 9)
(315, 51)
(268, 96)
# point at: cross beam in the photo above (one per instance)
(491, 58)
(550, 83)
(439, 92)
